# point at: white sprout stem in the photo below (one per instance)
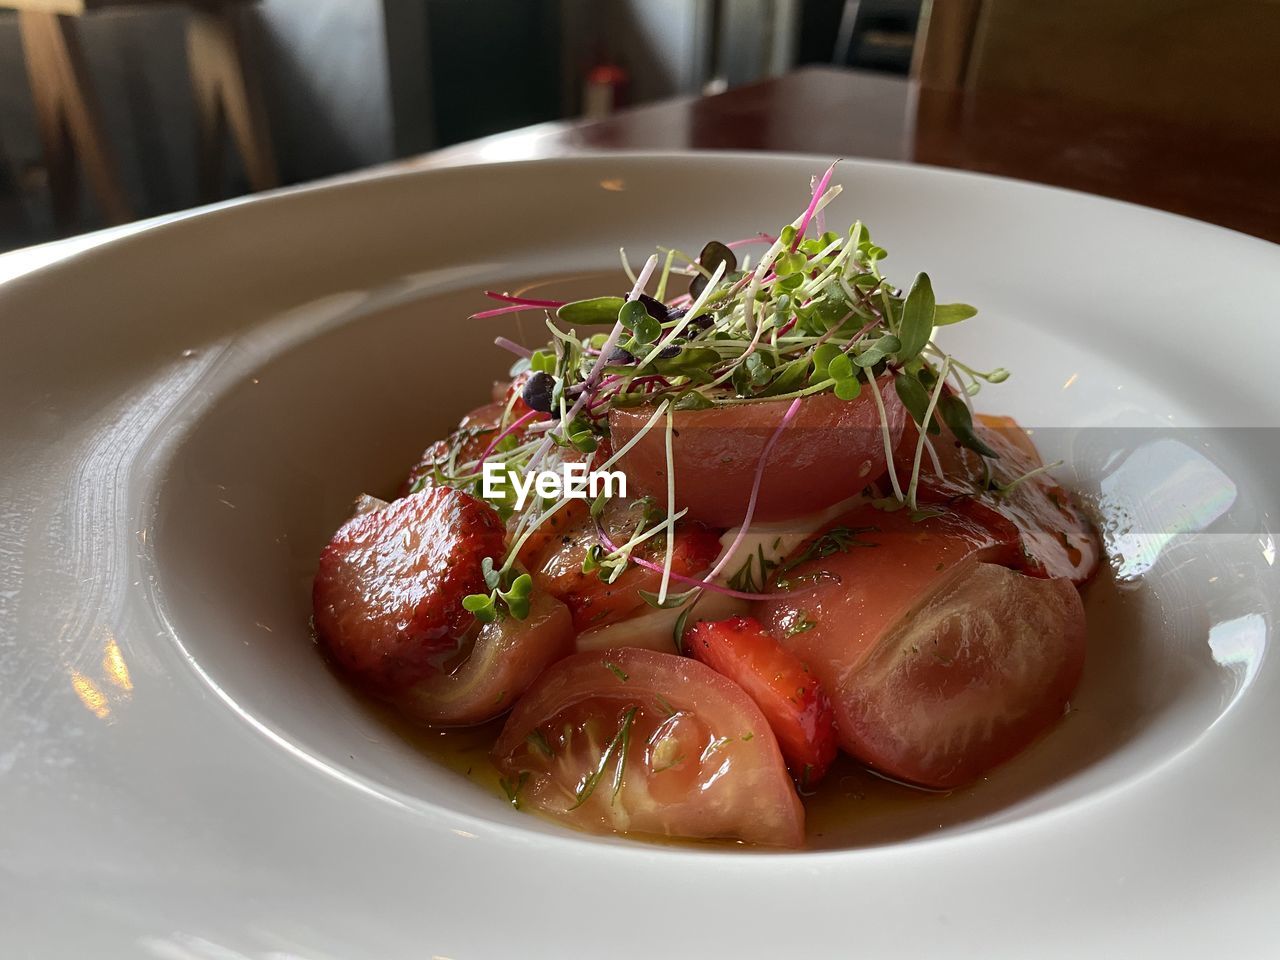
(524, 537)
(618, 455)
(671, 509)
(689, 316)
(626, 264)
(653, 531)
(606, 348)
(933, 457)
(626, 447)
(888, 441)
(924, 432)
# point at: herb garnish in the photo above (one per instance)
(813, 314)
(617, 746)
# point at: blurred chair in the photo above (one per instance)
(1208, 64)
(69, 117)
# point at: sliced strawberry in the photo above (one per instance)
(790, 697)
(388, 592)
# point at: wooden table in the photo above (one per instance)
(1230, 180)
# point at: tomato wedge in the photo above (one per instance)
(829, 452)
(504, 659)
(789, 695)
(972, 678)
(939, 662)
(639, 742)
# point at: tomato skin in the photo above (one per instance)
(700, 759)
(865, 606)
(506, 657)
(981, 671)
(1056, 539)
(829, 452)
(789, 695)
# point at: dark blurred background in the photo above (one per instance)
(350, 83)
(175, 90)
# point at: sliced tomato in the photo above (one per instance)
(1055, 537)
(790, 697)
(502, 661)
(591, 600)
(830, 451)
(979, 672)
(388, 592)
(939, 662)
(639, 742)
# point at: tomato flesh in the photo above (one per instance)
(639, 742)
(985, 667)
(503, 660)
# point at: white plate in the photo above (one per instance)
(187, 412)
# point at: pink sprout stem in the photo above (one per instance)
(787, 417)
(512, 346)
(748, 241)
(516, 425)
(818, 191)
(523, 301)
(514, 308)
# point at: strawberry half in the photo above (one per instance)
(789, 696)
(388, 593)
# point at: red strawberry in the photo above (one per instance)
(789, 695)
(388, 593)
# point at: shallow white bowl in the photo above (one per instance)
(189, 411)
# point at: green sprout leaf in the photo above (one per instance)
(915, 398)
(597, 310)
(480, 605)
(634, 316)
(879, 350)
(955, 414)
(945, 314)
(517, 597)
(822, 357)
(917, 319)
(847, 389)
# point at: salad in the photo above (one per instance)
(714, 532)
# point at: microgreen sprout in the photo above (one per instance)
(811, 314)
